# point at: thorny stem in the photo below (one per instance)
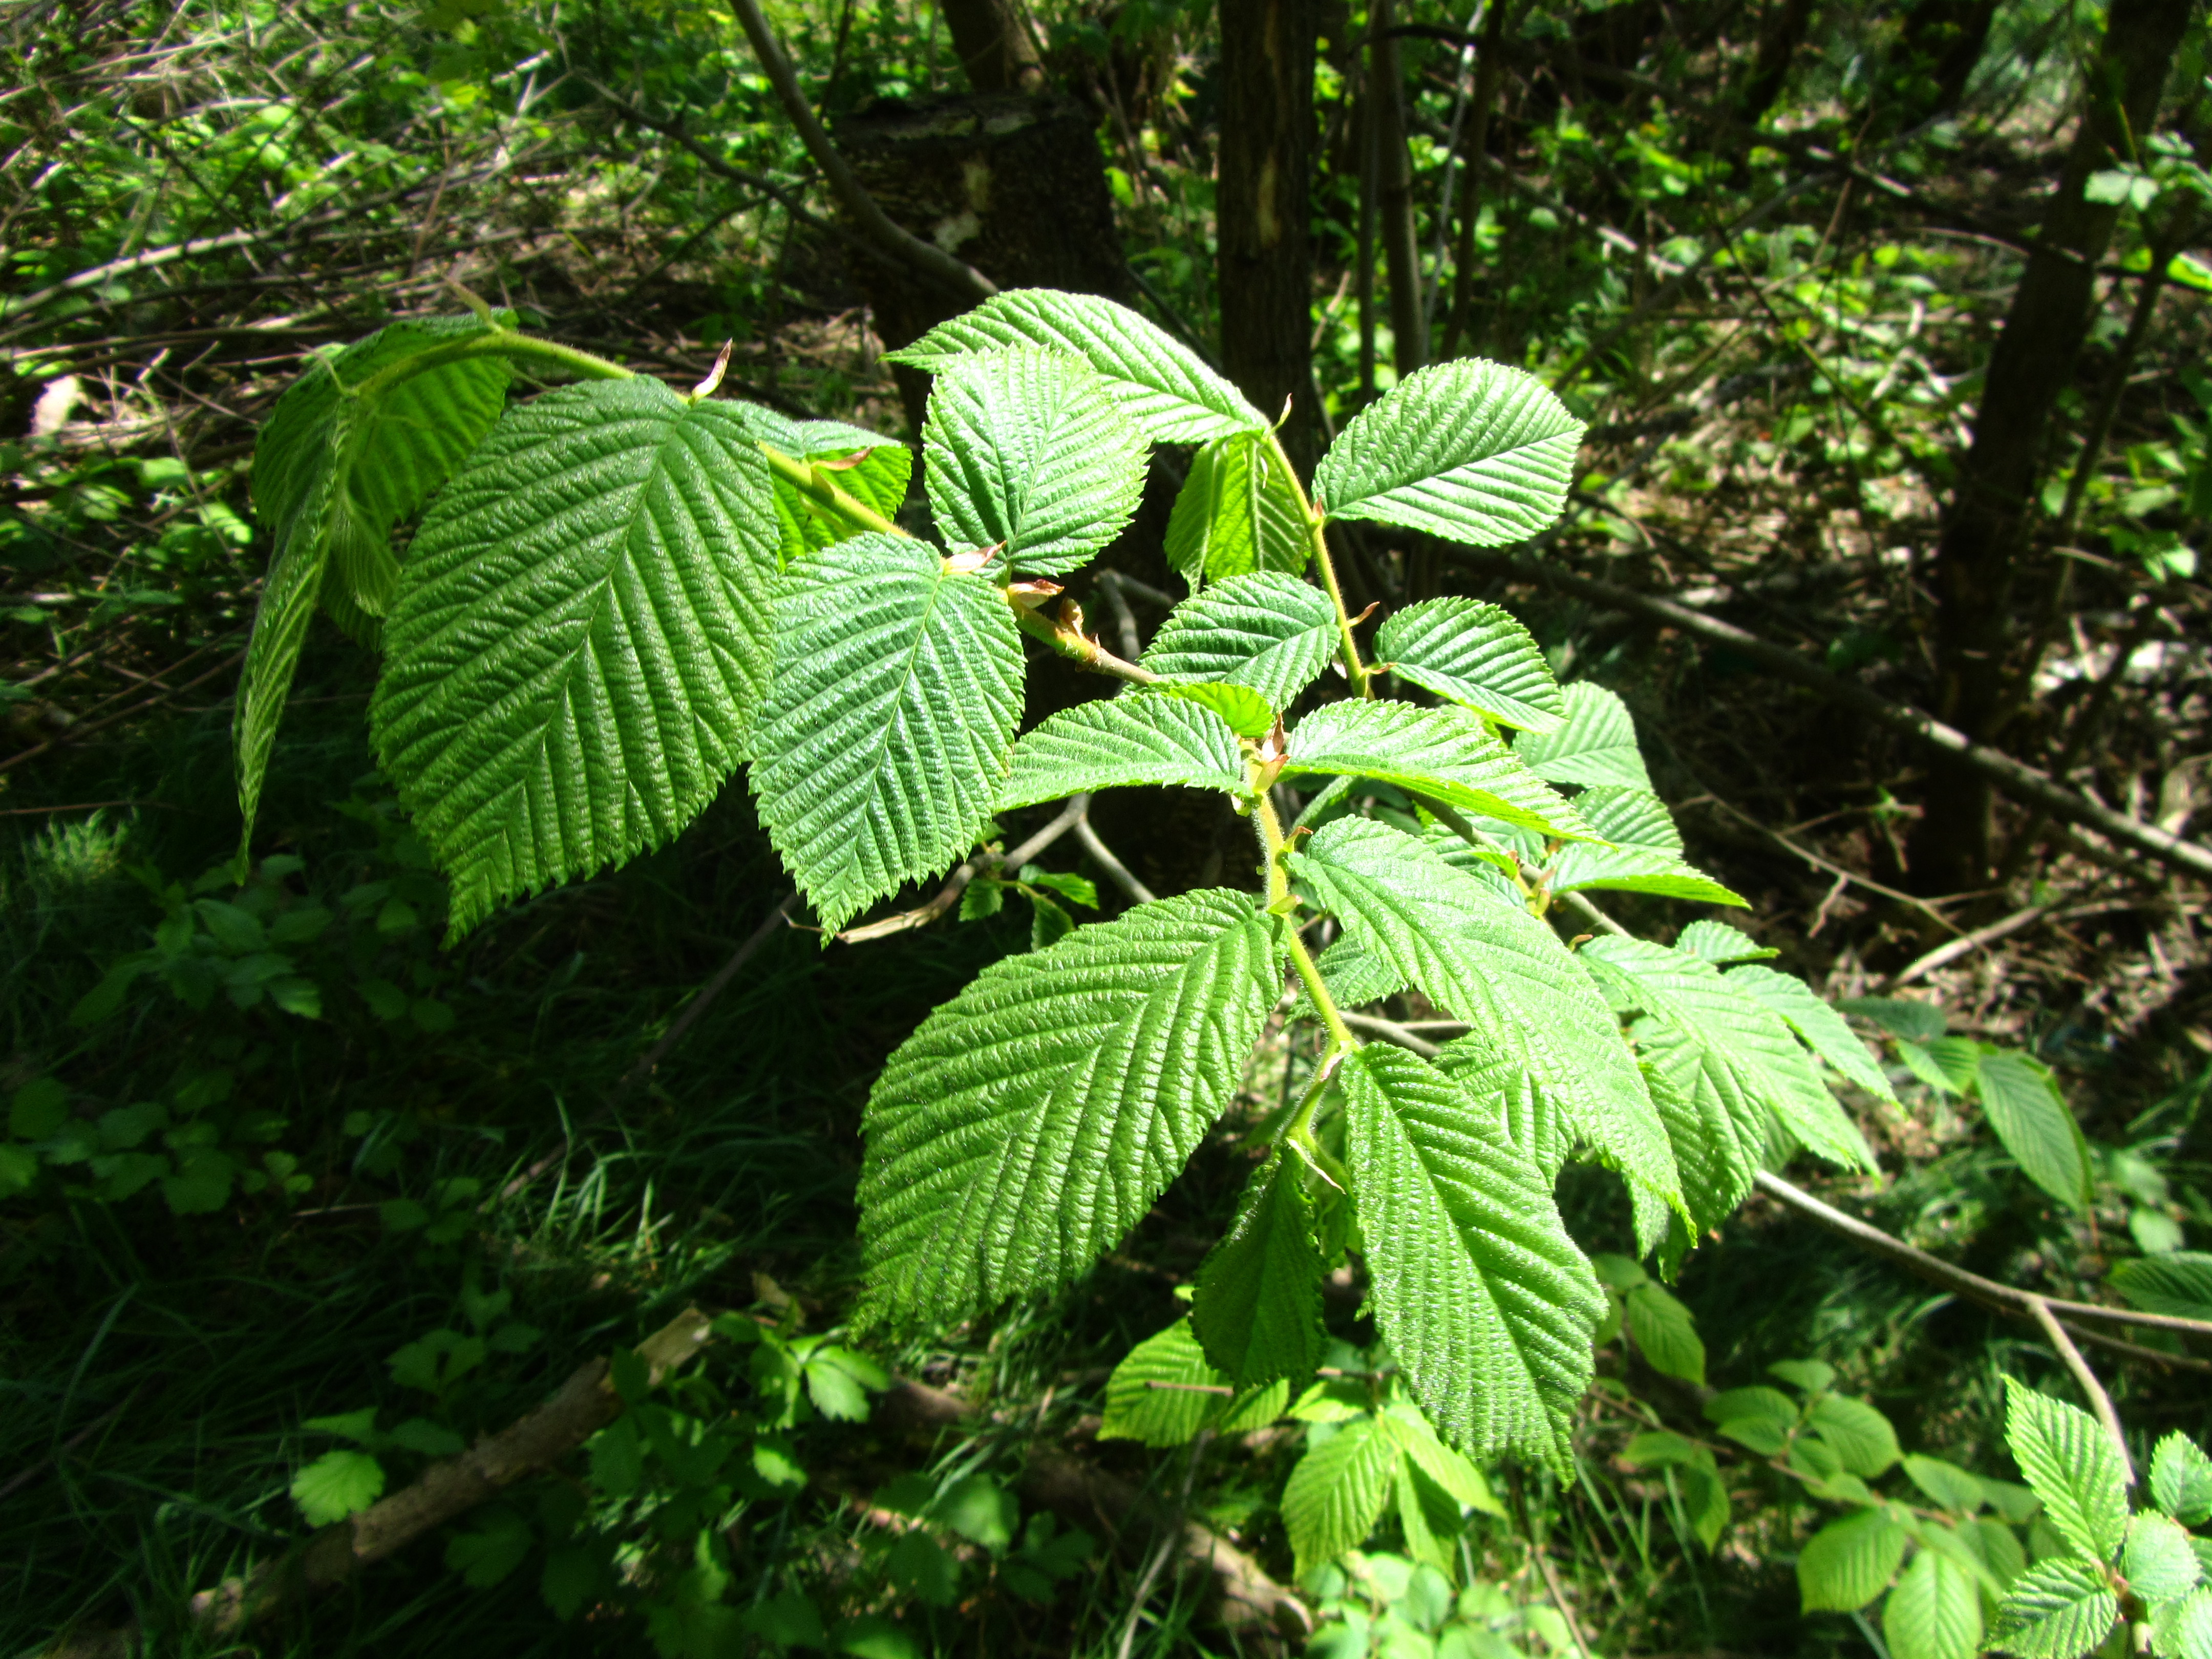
(1362, 678)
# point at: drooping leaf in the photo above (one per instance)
(1849, 1562)
(1267, 630)
(1461, 1481)
(1257, 1311)
(1447, 754)
(2178, 1283)
(1595, 745)
(1160, 383)
(2022, 1102)
(1632, 864)
(600, 570)
(1024, 450)
(1238, 511)
(1118, 742)
(2071, 1467)
(1336, 1493)
(1032, 1120)
(1165, 1392)
(2181, 1479)
(1820, 1027)
(1471, 451)
(2058, 1609)
(1483, 1297)
(1934, 1612)
(1501, 970)
(1476, 654)
(883, 744)
(1949, 1064)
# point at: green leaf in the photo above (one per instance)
(1665, 1334)
(1032, 1121)
(1267, 630)
(1336, 1493)
(1596, 745)
(2023, 1105)
(1471, 451)
(1448, 754)
(1934, 1612)
(359, 1426)
(1024, 450)
(336, 1485)
(1811, 1375)
(601, 571)
(38, 1109)
(1916, 1022)
(874, 470)
(1476, 654)
(1236, 513)
(2178, 1283)
(1849, 1562)
(980, 1510)
(1160, 384)
(1820, 1027)
(2183, 1629)
(1257, 1312)
(1770, 1405)
(1646, 856)
(2058, 1609)
(1486, 1303)
(1165, 1392)
(492, 1549)
(1861, 1436)
(1715, 941)
(1247, 712)
(2181, 1478)
(883, 742)
(921, 1567)
(2158, 1563)
(1505, 974)
(1117, 742)
(1946, 1484)
(2072, 1467)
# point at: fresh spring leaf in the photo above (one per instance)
(1117, 742)
(1448, 754)
(1934, 1612)
(1718, 942)
(1476, 654)
(1257, 1312)
(1160, 384)
(336, 1485)
(1596, 745)
(1267, 630)
(2178, 1283)
(600, 568)
(1238, 512)
(1483, 1297)
(1032, 1120)
(1505, 973)
(1641, 859)
(2023, 1105)
(2059, 1608)
(883, 742)
(2159, 1564)
(1820, 1027)
(2181, 1479)
(1024, 450)
(1849, 1562)
(2072, 1467)
(1471, 451)
(334, 470)
(1335, 1494)
(1245, 709)
(1165, 1392)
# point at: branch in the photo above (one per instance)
(712, 988)
(1113, 867)
(2055, 1333)
(1071, 817)
(2021, 781)
(955, 276)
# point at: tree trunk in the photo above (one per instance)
(1402, 248)
(1991, 514)
(992, 39)
(1942, 43)
(1265, 260)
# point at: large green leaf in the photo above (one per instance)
(1448, 754)
(2021, 1101)
(1117, 742)
(1476, 654)
(873, 470)
(883, 743)
(1267, 630)
(1822, 1029)
(1160, 383)
(1596, 745)
(1032, 1121)
(1505, 973)
(2072, 1467)
(1238, 511)
(336, 466)
(1258, 1307)
(1336, 1493)
(1165, 1392)
(1483, 1297)
(2159, 1564)
(1849, 1562)
(1645, 856)
(1934, 1612)
(1471, 451)
(1730, 1058)
(2058, 1609)
(1495, 1078)
(1024, 450)
(579, 637)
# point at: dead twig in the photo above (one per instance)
(2055, 1333)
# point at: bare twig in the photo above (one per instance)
(1390, 1031)
(2018, 921)
(1071, 817)
(712, 990)
(2055, 1333)
(1113, 867)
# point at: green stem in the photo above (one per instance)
(820, 486)
(1273, 842)
(1362, 678)
(497, 343)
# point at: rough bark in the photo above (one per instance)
(1991, 514)
(995, 47)
(1265, 260)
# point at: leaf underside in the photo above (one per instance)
(1238, 511)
